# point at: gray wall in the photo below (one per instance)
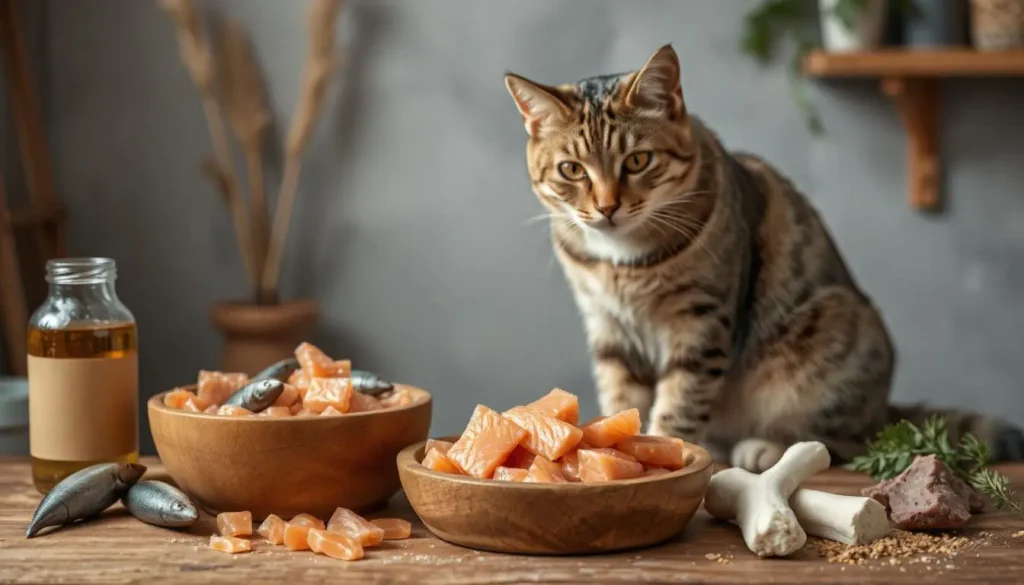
(410, 228)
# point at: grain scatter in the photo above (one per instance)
(911, 546)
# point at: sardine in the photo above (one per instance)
(279, 371)
(369, 383)
(256, 396)
(160, 504)
(83, 494)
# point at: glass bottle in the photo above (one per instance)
(82, 373)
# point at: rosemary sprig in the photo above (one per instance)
(896, 446)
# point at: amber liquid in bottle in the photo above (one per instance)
(100, 365)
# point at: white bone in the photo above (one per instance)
(846, 519)
(759, 503)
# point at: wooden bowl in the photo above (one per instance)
(287, 466)
(554, 519)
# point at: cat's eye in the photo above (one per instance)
(572, 171)
(637, 162)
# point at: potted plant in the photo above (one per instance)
(262, 328)
(845, 25)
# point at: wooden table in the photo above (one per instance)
(119, 549)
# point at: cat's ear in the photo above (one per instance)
(656, 88)
(539, 105)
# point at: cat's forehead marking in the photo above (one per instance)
(597, 90)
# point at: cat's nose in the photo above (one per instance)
(609, 210)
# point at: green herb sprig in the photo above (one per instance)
(896, 446)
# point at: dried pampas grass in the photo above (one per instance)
(236, 76)
(321, 63)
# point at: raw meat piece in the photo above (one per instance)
(519, 457)
(394, 528)
(331, 411)
(318, 364)
(276, 412)
(234, 523)
(926, 496)
(547, 436)
(288, 397)
(510, 474)
(304, 412)
(441, 446)
(178, 397)
(649, 471)
(438, 461)
(571, 466)
(195, 404)
(296, 536)
(272, 529)
(228, 410)
(664, 452)
(397, 398)
(212, 409)
(486, 442)
(559, 404)
(544, 471)
(300, 380)
(607, 431)
(216, 387)
(324, 392)
(354, 526)
(229, 545)
(364, 403)
(296, 408)
(597, 465)
(308, 520)
(334, 545)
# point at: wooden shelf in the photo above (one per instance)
(911, 79)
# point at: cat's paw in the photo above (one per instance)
(756, 455)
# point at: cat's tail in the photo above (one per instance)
(1005, 441)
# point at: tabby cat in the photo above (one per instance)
(713, 298)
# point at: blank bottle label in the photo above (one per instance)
(83, 409)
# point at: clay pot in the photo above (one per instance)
(997, 25)
(256, 336)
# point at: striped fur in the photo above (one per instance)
(713, 297)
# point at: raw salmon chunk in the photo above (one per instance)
(296, 536)
(510, 474)
(520, 458)
(544, 471)
(318, 364)
(438, 444)
(394, 528)
(396, 398)
(559, 404)
(486, 442)
(571, 466)
(288, 397)
(227, 410)
(212, 409)
(324, 392)
(363, 403)
(331, 411)
(300, 380)
(607, 431)
(178, 398)
(438, 461)
(296, 408)
(334, 545)
(195, 404)
(354, 526)
(234, 523)
(229, 544)
(547, 436)
(308, 520)
(649, 471)
(664, 452)
(276, 411)
(216, 387)
(272, 529)
(597, 465)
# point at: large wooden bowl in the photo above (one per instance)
(287, 466)
(554, 519)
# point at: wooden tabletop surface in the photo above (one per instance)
(119, 549)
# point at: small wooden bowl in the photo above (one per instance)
(554, 519)
(287, 466)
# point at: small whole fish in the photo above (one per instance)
(85, 493)
(278, 371)
(160, 504)
(369, 383)
(256, 396)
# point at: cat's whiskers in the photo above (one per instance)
(686, 226)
